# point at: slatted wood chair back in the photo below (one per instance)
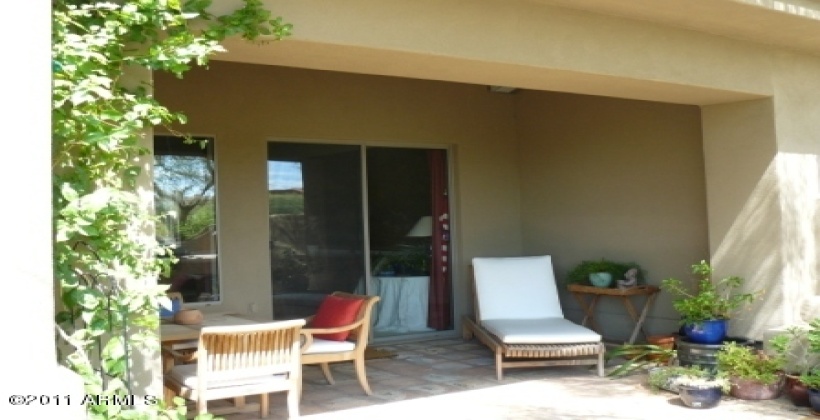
(231, 352)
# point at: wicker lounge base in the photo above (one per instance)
(534, 355)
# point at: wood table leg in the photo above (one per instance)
(644, 312)
(588, 306)
(589, 310)
(630, 309)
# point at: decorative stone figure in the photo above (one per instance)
(631, 279)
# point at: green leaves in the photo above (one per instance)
(104, 254)
(637, 356)
(710, 299)
(742, 361)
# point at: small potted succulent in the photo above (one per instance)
(706, 309)
(700, 388)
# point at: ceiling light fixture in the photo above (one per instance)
(501, 89)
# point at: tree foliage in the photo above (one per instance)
(105, 260)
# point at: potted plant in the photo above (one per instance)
(601, 273)
(699, 387)
(800, 360)
(665, 377)
(639, 356)
(811, 380)
(406, 260)
(705, 310)
(752, 374)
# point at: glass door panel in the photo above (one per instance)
(316, 226)
(317, 232)
(407, 209)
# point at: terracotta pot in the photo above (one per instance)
(797, 393)
(188, 317)
(666, 342)
(748, 389)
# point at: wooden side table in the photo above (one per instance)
(588, 297)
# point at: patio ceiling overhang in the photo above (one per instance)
(537, 44)
(352, 59)
(790, 24)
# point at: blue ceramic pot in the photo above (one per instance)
(699, 397)
(600, 279)
(706, 332)
(814, 399)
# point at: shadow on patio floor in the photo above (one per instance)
(454, 379)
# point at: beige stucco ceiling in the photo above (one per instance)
(601, 47)
(791, 24)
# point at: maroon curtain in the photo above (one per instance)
(439, 299)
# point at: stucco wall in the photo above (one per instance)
(244, 106)
(617, 179)
(760, 223)
(591, 177)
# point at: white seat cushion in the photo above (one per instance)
(186, 375)
(540, 331)
(329, 346)
(516, 288)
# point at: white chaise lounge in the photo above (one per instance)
(519, 317)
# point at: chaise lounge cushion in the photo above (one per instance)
(540, 331)
(516, 288)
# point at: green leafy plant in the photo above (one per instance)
(638, 356)
(811, 379)
(710, 299)
(745, 362)
(580, 273)
(104, 256)
(795, 346)
(800, 348)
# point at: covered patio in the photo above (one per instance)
(455, 379)
(699, 137)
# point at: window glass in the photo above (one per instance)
(185, 200)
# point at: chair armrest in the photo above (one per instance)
(307, 333)
(332, 330)
(307, 340)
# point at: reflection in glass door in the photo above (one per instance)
(317, 232)
(408, 215)
(316, 228)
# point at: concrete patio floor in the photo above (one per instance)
(453, 379)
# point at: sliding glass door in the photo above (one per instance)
(316, 230)
(370, 220)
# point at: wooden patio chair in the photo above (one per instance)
(239, 360)
(184, 351)
(339, 332)
(519, 317)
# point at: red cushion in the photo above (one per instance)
(336, 311)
